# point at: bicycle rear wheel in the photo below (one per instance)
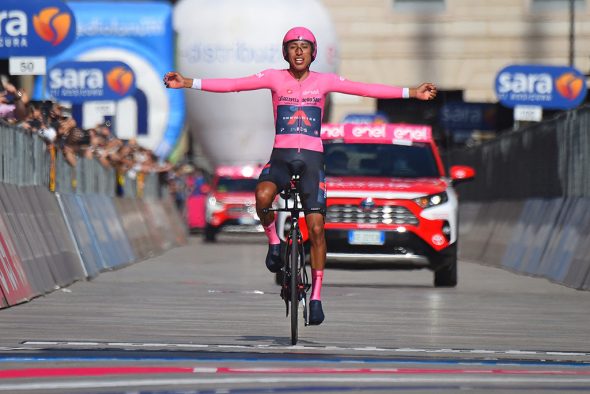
(294, 285)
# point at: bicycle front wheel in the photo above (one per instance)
(294, 285)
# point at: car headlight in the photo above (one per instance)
(432, 200)
(213, 206)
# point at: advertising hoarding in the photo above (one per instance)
(35, 27)
(140, 35)
(549, 87)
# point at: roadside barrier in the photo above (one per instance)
(157, 217)
(49, 240)
(59, 249)
(578, 274)
(502, 215)
(60, 224)
(107, 227)
(547, 238)
(538, 175)
(14, 285)
(560, 248)
(84, 235)
(475, 228)
(25, 234)
(177, 223)
(136, 228)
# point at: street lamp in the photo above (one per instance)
(572, 37)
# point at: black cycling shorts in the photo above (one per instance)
(312, 180)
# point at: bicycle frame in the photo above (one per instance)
(295, 282)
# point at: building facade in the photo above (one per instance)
(458, 44)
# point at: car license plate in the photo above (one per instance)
(246, 220)
(366, 237)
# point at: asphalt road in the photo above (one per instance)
(207, 318)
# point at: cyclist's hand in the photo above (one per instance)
(174, 80)
(426, 91)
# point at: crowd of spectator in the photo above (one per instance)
(55, 125)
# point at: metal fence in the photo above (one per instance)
(25, 160)
(545, 160)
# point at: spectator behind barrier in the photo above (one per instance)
(13, 102)
(54, 124)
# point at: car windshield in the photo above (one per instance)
(380, 160)
(225, 184)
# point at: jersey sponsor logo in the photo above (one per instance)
(286, 99)
(311, 92)
(314, 100)
(298, 120)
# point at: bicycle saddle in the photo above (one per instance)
(296, 167)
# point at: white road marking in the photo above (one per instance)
(303, 347)
(438, 380)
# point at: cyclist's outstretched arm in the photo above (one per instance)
(262, 80)
(335, 83)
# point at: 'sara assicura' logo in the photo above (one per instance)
(52, 25)
(120, 80)
(569, 85)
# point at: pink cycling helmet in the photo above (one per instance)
(300, 34)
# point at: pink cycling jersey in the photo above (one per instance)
(298, 105)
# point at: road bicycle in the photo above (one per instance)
(293, 276)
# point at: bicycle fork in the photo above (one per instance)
(299, 269)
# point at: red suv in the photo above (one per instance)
(231, 204)
(390, 202)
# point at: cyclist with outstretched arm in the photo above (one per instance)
(298, 96)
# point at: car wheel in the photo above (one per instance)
(210, 233)
(446, 274)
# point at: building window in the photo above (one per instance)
(419, 5)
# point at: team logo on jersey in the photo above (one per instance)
(52, 25)
(299, 115)
(292, 119)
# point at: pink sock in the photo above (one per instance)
(316, 280)
(271, 233)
